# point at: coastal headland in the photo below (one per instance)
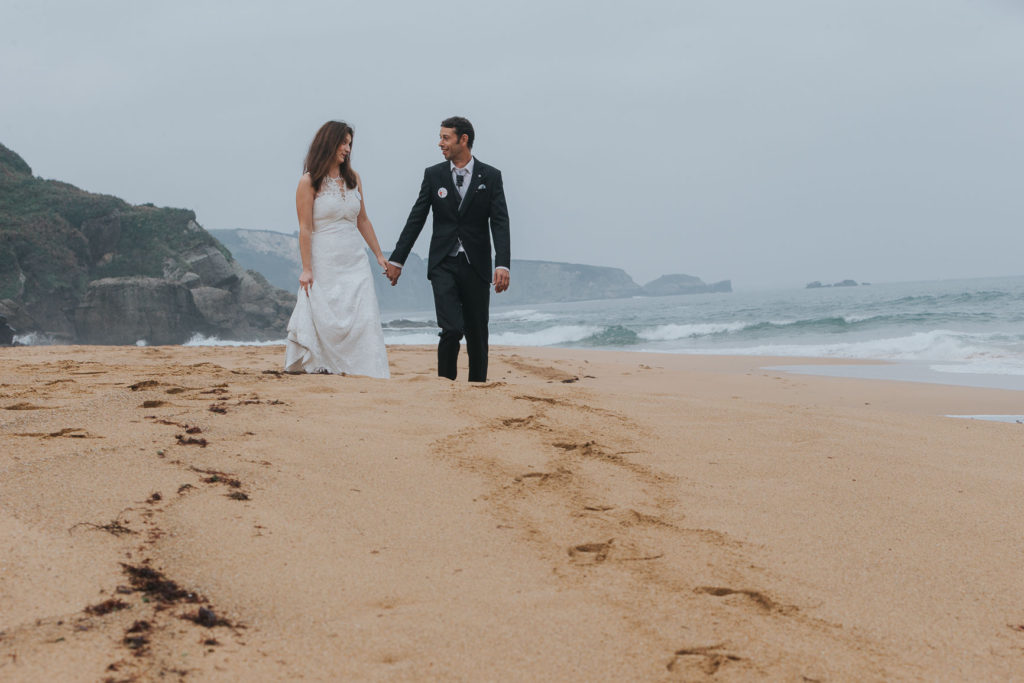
(192, 513)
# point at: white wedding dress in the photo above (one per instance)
(337, 327)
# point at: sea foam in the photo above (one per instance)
(202, 340)
(673, 332)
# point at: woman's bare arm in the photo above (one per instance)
(304, 197)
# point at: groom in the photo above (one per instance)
(468, 201)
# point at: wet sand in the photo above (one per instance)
(192, 513)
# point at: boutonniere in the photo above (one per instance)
(442, 193)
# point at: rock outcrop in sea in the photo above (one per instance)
(817, 284)
(668, 285)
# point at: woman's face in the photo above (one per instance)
(344, 150)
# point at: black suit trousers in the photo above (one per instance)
(461, 301)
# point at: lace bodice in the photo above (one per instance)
(335, 203)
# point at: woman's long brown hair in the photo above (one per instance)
(323, 152)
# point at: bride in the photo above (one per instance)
(335, 327)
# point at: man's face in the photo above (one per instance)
(451, 145)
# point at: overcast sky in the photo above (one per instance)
(771, 143)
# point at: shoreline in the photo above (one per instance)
(628, 516)
(877, 369)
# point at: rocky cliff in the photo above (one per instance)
(276, 255)
(90, 268)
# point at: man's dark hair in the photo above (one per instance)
(462, 127)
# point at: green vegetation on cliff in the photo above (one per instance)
(56, 238)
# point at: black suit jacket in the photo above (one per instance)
(483, 213)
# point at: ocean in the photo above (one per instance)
(965, 332)
(951, 331)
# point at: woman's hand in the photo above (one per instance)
(382, 262)
(306, 280)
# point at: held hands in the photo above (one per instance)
(392, 272)
(501, 279)
(306, 281)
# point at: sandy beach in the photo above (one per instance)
(187, 512)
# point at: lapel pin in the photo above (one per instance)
(442, 193)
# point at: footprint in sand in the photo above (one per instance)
(706, 660)
(762, 601)
(540, 399)
(518, 421)
(631, 517)
(588, 448)
(542, 371)
(561, 474)
(591, 552)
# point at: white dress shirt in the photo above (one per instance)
(467, 177)
(467, 170)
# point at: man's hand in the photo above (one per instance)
(393, 272)
(501, 279)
